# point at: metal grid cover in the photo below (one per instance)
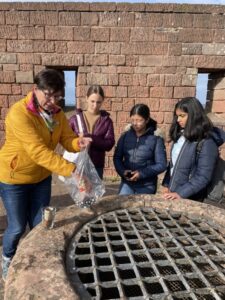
(146, 253)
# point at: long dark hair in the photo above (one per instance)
(143, 111)
(95, 89)
(198, 125)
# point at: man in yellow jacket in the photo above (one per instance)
(34, 126)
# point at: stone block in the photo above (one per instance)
(26, 88)
(107, 48)
(141, 34)
(166, 35)
(60, 47)
(213, 49)
(113, 79)
(7, 58)
(209, 61)
(81, 33)
(126, 79)
(195, 36)
(158, 116)
(126, 19)
(191, 48)
(108, 19)
(44, 18)
(219, 36)
(121, 91)
(181, 92)
(71, 18)
(16, 89)
(110, 91)
(99, 34)
(167, 105)
(137, 48)
(118, 60)
(128, 103)
(20, 46)
(168, 117)
(117, 106)
(89, 18)
(62, 60)
(130, 7)
(148, 20)
(120, 34)
(137, 91)
(189, 80)
(26, 67)
(153, 80)
(17, 17)
(96, 59)
(2, 18)
(102, 6)
(173, 20)
(144, 70)
(10, 67)
(97, 78)
(173, 79)
(5, 89)
(2, 45)
(161, 92)
(150, 60)
(31, 32)
(109, 69)
(175, 49)
(8, 32)
(81, 47)
(81, 79)
(24, 77)
(7, 76)
(64, 33)
(29, 58)
(3, 103)
(76, 6)
(140, 79)
(44, 46)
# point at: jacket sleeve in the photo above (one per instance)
(68, 138)
(118, 156)
(32, 142)
(203, 170)
(166, 179)
(160, 161)
(106, 143)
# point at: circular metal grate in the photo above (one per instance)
(146, 253)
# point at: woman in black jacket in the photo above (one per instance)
(190, 171)
(140, 155)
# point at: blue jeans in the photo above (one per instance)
(126, 189)
(23, 204)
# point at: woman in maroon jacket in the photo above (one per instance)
(97, 124)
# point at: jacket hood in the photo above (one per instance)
(218, 135)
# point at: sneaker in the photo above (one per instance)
(5, 266)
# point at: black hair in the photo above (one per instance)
(143, 111)
(95, 89)
(198, 125)
(50, 79)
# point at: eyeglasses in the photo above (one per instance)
(50, 96)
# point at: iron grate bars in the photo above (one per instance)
(147, 253)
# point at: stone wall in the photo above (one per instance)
(139, 53)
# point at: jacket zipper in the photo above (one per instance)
(176, 164)
(135, 150)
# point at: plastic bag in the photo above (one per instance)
(85, 186)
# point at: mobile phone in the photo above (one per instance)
(129, 174)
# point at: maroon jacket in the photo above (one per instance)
(102, 137)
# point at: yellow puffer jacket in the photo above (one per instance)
(28, 153)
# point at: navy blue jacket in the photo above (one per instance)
(193, 171)
(145, 154)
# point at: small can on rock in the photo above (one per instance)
(48, 216)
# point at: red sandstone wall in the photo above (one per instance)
(149, 53)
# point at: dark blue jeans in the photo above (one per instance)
(23, 204)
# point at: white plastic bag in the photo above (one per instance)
(85, 186)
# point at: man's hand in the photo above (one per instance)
(84, 142)
(131, 175)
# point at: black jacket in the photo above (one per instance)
(145, 154)
(193, 171)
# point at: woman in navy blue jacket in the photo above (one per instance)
(140, 155)
(189, 172)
